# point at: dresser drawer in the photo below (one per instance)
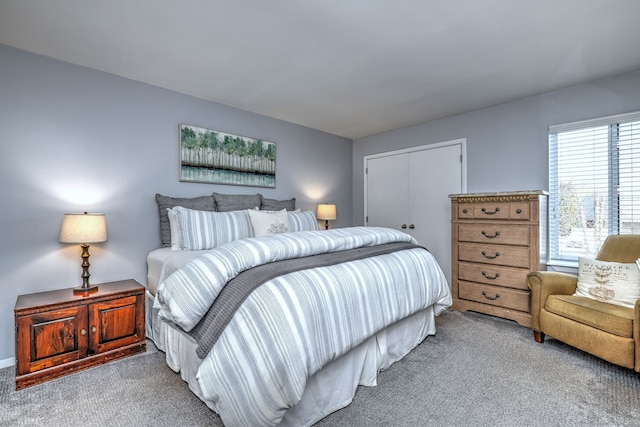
(498, 275)
(495, 234)
(494, 295)
(514, 256)
(495, 210)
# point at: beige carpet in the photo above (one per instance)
(477, 371)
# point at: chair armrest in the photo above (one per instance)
(545, 283)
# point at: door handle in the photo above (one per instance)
(403, 226)
(411, 226)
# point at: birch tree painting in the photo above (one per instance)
(221, 158)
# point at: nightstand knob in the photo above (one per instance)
(83, 332)
(93, 329)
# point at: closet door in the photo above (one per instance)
(409, 190)
(433, 175)
(387, 195)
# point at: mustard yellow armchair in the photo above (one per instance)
(608, 331)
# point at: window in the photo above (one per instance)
(594, 184)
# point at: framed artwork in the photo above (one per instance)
(216, 157)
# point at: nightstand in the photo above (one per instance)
(59, 332)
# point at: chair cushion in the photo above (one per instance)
(609, 318)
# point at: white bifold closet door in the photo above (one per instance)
(409, 190)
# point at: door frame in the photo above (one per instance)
(463, 163)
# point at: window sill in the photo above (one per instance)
(563, 266)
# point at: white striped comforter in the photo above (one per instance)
(292, 326)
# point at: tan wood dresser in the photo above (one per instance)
(496, 240)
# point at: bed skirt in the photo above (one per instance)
(330, 389)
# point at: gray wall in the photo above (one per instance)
(507, 145)
(74, 139)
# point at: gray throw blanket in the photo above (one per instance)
(209, 329)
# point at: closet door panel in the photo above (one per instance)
(387, 191)
(433, 175)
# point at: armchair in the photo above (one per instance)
(610, 332)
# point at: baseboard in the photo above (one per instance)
(5, 363)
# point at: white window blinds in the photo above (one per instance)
(594, 184)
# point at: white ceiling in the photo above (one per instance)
(348, 67)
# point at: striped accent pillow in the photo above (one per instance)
(205, 230)
(302, 221)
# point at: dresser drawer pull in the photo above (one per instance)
(484, 294)
(518, 211)
(491, 213)
(484, 273)
(464, 211)
(490, 236)
(484, 254)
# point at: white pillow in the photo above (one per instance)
(176, 231)
(302, 221)
(269, 222)
(612, 282)
(206, 229)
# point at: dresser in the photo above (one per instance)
(496, 240)
(59, 332)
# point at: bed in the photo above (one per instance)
(273, 322)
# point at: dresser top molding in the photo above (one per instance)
(509, 196)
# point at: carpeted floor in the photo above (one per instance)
(477, 371)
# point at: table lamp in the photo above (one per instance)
(84, 228)
(326, 212)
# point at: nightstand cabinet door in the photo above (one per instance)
(51, 338)
(116, 323)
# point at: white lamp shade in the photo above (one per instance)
(326, 212)
(83, 228)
